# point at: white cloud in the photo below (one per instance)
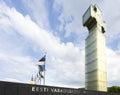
(113, 67)
(69, 61)
(71, 16)
(11, 80)
(16, 67)
(37, 11)
(111, 15)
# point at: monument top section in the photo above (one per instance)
(93, 16)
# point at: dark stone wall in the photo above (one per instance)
(10, 88)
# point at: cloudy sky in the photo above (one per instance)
(29, 28)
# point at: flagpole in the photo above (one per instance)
(44, 78)
(41, 68)
(44, 70)
(40, 79)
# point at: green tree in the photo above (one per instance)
(114, 89)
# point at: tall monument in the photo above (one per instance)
(95, 55)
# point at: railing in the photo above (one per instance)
(9, 88)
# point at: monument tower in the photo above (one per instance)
(95, 55)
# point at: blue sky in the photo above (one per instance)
(30, 28)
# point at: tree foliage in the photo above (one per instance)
(114, 89)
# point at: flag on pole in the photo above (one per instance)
(41, 68)
(41, 75)
(41, 63)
